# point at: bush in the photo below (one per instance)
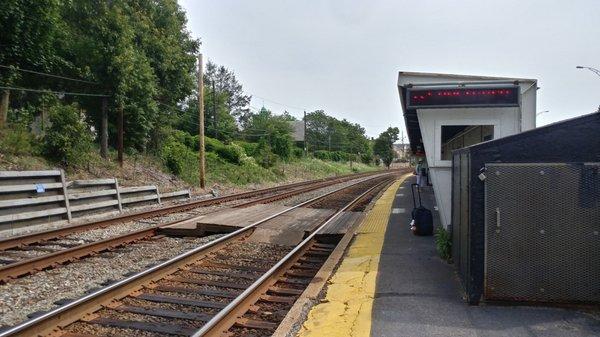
(333, 155)
(16, 141)
(231, 153)
(249, 148)
(264, 156)
(366, 158)
(443, 243)
(210, 144)
(298, 152)
(180, 160)
(281, 144)
(323, 155)
(68, 139)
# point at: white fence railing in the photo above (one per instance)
(35, 197)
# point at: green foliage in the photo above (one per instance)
(324, 132)
(282, 144)
(298, 152)
(68, 140)
(211, 144)
(16, 140)
(249, 148)
(338, 156)
(264, 156)
(30, 31)
(180, 159)
(322, 154)
(140, 52)
(275, 129)
(383, 146)
(231, 153)
(443, 243)
(225, 105)
(176, 156)
(366, 158)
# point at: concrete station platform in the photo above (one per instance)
(391, 283)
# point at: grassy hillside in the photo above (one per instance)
(149, 170)
(230, 166)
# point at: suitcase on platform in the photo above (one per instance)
(422, 223)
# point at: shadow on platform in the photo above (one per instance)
(419, 295)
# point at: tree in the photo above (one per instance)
(324, 132)
(275, 129)
(30, 37)
(68, 140)
(227, 86)
(383, 146)
(225, 105)
(142, 54)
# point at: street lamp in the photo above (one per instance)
(594, 70)
(542, 112)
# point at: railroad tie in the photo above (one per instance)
(206, 292)
(254, 324)
(210, 283)
(181, 300)
(231, 266)
(146, 326)
(222, 273)
(164, 313)
(285, 291)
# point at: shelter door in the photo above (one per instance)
(542, 225)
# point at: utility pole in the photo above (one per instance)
(214, 109)
(4, 104)
(201, 121)
(305, 145)
(403, 146)
(120, 135)
(329, 140)
(104, 129)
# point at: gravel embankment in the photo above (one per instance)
(37, 292)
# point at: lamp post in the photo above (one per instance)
(594, 70)
(542, 112)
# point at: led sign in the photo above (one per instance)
(505, 96)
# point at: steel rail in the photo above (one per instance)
(37, 263)
(44, 323)
(22, 240)
(221, 315)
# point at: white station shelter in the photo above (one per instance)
(444, 112)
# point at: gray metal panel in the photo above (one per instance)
(542, 224)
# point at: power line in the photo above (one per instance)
(278, 103)
(48, 75)
(266, 132)
(54, 92)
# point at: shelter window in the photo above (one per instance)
(459, 136)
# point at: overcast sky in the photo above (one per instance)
(344, 56)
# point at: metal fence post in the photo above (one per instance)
(118, 195)
(65, 194)
(157, 195)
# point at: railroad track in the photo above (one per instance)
(232, 285)
(27, 254)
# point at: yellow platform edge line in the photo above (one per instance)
(346, 309)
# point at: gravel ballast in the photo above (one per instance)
(38, 292)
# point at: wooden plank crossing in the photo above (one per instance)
(342, 223)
